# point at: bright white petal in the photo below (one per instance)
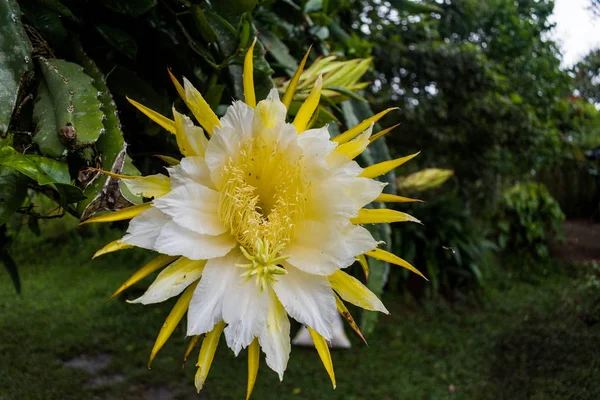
(307, 298)
(172, 281)
(236, 127)
(274, 338)
(321, 248)
(207, 302)
(175, 240)
(245, 311)
(190, 170)
(145, 228)
(194, 207)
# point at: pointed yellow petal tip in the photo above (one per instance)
(248, 76)
(161, 120)
(381, 133)
(112, 246)
(386, 256)
(207, 354)
(323, 351)
(253, 362)
(119, 215)
(291, 89)
(309, 106)
(178, 87)
(190, 347)
(375, 170)
(178, 311)
(352, 133)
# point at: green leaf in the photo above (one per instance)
(348, 93)
(412, 7)
(14, 190)
(11, 268)
(119, 39)
(278, 50)
(15, 59)
(67, 111)
(202, 24)
(133, 8)
(232, 10)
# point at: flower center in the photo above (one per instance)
(263, 198)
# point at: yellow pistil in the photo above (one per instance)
(265, 260)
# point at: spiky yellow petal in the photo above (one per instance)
(381, 216)
(308, 107)
(253, 361)
(119, 215)
(179, 309)
(381, 133)
(112, 246)
(352, 133)
(356, 146)
(190, 347)
(154, 116)
(323, 350)
(291, 89)
(353, 291)
(393, 259)
(148, 186)
(384, 167)
(200, 108)
(248, 76)
(207, 353)
(343, 310)
(392, 198)
(143, 272)
(178, 87)
(362, 260)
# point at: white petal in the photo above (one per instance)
(194, 207)
(236, 127)
(172, 281)
(145, 228)
(175, 240)
(308, 299)
(269, 113)
(274, 338)
(245, 311)
(340, 196)
(322, 248)
(190, 170)
(207, 302)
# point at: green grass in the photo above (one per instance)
(529, 341)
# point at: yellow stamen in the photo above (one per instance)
(264, 263)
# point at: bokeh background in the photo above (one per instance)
(501, 102)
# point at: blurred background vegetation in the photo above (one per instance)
(503, 131)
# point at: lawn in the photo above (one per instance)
(526, 340)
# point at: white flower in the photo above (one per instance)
(255, 224)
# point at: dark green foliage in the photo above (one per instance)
(526, 219)
(449, 248)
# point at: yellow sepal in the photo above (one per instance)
(154, 116)
(200, 108)
(353, 291)
(178, 311)
(291, 89)
(143, 272)
(119, 215)
(352, 133)
(381, 216)
(253, 361)
(112, 246)
(248, 76)
(190, 347)
(207, 354)
(343, 310)
(392, 198)
(375, 170)
(381, 133)
(323, 350)
(308, 107)
(393, 259)
(362, 260)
